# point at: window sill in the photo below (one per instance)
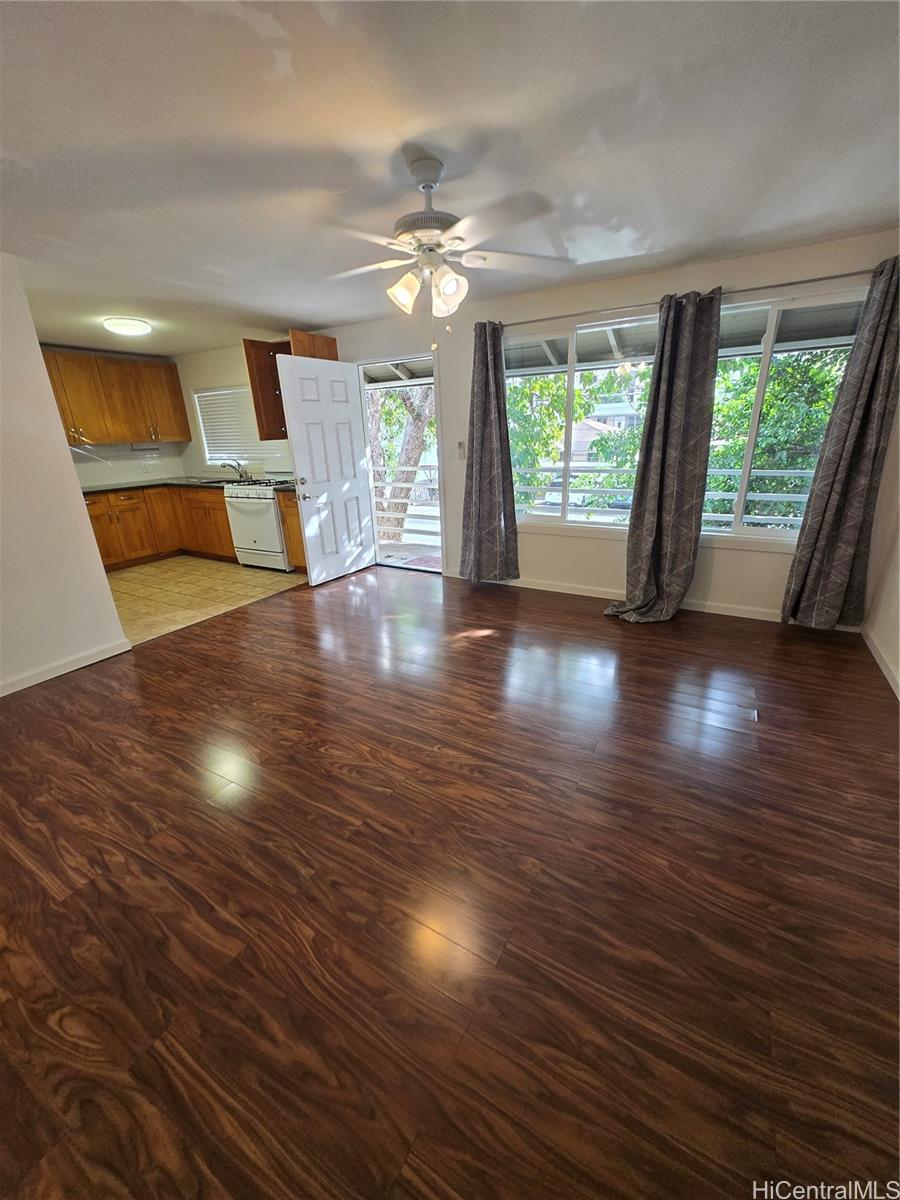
(761, 543)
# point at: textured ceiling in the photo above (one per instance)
(186, 161)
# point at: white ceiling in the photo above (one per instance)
(184, 161)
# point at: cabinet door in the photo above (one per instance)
(133, 522)
(313, 345)
(197, 525)
(164, 401)
(127, 413)
(106, 532)
(164, 507)
(265, 386)
(59, 395)
(220, 530)
(290, 524)
(80, 379)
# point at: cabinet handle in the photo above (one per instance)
(151, 433)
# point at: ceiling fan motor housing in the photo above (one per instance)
(424, 226)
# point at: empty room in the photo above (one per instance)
(449, 621)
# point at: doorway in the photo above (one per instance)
(401, 429)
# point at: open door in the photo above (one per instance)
(324, 417)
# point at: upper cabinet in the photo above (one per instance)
(165, 401)
(265, 386)
(105, 399)
(79, 397)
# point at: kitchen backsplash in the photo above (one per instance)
(124, 464)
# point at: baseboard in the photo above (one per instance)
(576, 589)
(62, 667)
(886, 668)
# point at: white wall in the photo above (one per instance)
(56, 610)
(882, 624)
(730, 578)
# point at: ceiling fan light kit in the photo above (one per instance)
(434, 241)
(405, 291)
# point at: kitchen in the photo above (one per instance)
(189, 489)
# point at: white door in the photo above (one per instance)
(323, 407)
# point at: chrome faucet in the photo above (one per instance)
(236, 466)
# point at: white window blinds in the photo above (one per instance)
(229, 428)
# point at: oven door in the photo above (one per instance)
(255, 524)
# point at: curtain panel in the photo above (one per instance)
(827, 581)
(664, 530)
(490, 549)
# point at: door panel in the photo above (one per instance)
(290, 523)
(79, 376)
(59, 395)
(106, 531)
(164, 507)
(324, 417)
(127, 414)
(135, 529)
(164, 401)
(265, 386)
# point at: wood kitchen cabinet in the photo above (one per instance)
(313, 345)
(167, 518)
(126, 414)
(106, 531)
(132, 517)
(290, 524)
(79, 396)
(160, 386)
(106, 399)
(265, 386)
(206, 522)
(140, 523)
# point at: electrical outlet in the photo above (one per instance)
(461, 450)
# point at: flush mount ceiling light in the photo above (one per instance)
(432, 241)
(127, 326)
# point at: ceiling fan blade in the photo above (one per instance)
(483, 224)
(382, 266)
(525, 264)
(375, 238)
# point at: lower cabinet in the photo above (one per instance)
(133, 521)
(290, 524)
(206, 522)
(167, 518)
(140, 523)
(106, 531)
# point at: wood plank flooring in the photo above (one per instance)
(398, 888)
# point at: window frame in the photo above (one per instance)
(738, 535)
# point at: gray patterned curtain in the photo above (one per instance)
(490, 548)
(664, 530)
(827, 581)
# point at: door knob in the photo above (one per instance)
(305, 496)
(301, 480)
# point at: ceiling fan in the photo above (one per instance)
(435, 242)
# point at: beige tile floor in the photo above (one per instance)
(155, 598)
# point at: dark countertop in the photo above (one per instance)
(187, 481)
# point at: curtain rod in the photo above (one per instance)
(598, 312)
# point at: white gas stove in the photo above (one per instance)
(255, 523)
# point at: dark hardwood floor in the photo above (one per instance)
(402, 889)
